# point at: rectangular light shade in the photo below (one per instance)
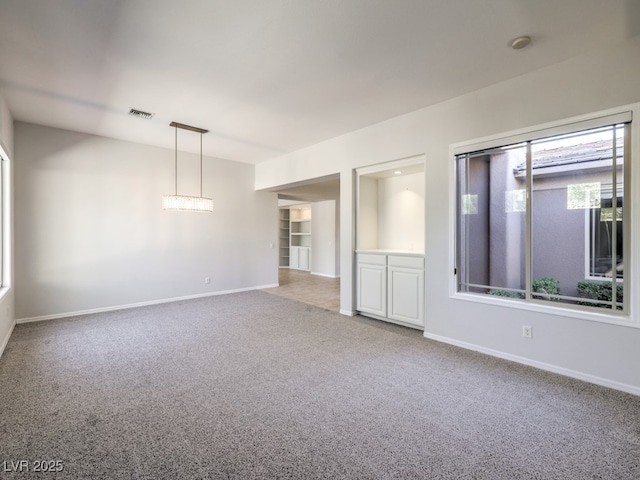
(186, 203)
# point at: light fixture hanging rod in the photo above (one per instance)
(188, 127)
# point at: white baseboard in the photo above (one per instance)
(604, 382)
(325, 275)
(349, 313)
(140, 304)
(5, 341)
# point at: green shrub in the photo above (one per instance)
(543, 286)
(547, 285)
(599, 291)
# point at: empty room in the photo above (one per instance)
(359, 239)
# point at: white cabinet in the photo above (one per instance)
(391, 287)
(372, 284)
(304, 254)
(405, 284)
(299, 258)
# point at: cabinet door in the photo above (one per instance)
(372, 289)
(293, 257)
(406, 295)
(303, 258)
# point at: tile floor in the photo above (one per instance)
(306, 288)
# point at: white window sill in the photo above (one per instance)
(625, 320)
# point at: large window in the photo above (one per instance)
(3, 167)
(540, 217)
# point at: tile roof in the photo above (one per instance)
(568, 155)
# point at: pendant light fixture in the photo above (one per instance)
(185, 202)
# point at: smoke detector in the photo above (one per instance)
(520, 42)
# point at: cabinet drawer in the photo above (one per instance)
(406, 262)
(370, 259)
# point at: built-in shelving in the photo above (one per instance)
(300, 237)
(284, 237)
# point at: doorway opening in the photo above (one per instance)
(309, 242)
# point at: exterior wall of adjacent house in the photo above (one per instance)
(600, 80)
(558, 240)
(559, 237)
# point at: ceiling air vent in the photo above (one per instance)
(140, 114)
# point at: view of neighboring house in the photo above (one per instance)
(576, 184)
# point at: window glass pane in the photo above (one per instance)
(576, 246)
(491, 222)
(601, 238)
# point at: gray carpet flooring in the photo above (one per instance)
(252, 385)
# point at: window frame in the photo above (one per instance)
(3, 216)
(624, 114)
(5, 242)
(6, 227)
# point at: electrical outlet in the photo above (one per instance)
(527, 331)
(207, 280)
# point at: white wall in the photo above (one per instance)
(401, 213)
(7, 299)
(603, 79)
(391, 212)
(336, 240)
(91, 233)
(323, 238)
(367, 216)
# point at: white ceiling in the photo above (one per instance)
(315, 190)
(268, 77)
